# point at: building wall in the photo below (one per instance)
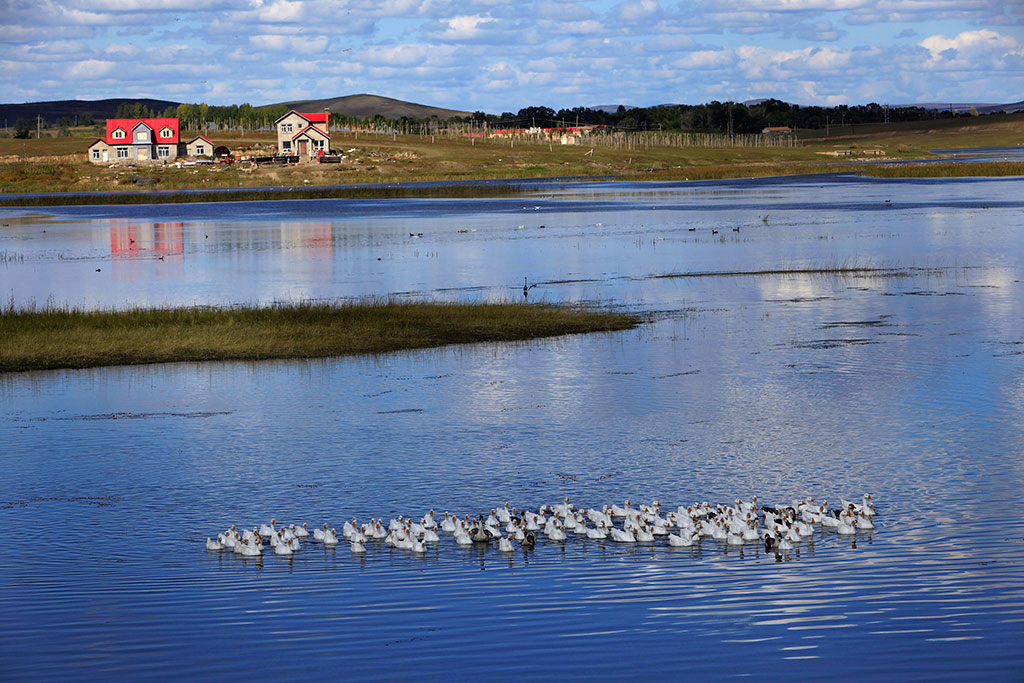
(199, 148)
(96, 153)
(287, 127)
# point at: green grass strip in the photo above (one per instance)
(68, 338)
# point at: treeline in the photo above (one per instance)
(721, 117)
(730, 118)
(718, 117)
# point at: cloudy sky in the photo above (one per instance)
(501, 55)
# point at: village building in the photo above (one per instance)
(777, 130)
(199, 146)
(306, 136)
(146, 140)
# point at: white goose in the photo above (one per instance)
(684, 539)
(845, 528)
(267, 530)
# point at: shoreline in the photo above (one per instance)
(486, 188)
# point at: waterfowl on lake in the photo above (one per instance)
(782, 527)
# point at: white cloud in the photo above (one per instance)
(90, 69)
(982, 49)
(705, 59)
(301, 44)
(463, 27)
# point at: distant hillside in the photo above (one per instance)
(364, 106)
(610, 108)
(982, 108)
(51, 111)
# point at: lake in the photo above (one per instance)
(893, 365)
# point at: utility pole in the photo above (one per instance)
(39, 124)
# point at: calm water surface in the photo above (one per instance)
(906, 383)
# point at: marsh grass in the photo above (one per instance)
(458, 191)
(844, 269)
(56, 337)
(946, 170)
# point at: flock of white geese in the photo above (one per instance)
(781, 528)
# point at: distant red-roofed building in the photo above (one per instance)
(137, 140)
(304, 135)
(145, 140)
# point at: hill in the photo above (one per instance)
(962, 107)
(364, 106)
(51, 111)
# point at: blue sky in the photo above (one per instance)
(501, 55)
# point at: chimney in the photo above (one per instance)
(327, 123)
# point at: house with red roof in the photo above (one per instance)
(306, 136)
(144, 140)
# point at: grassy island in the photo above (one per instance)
(68, 338)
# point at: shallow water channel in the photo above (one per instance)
(905, 380)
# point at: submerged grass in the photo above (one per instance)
(68, 338)
(838, 269)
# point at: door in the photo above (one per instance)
(303, 145)
(104, 155)
(143, 154)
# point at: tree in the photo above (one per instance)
(22, 128)
(85, 118)
(133, 110)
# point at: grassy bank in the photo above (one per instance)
(62, 338)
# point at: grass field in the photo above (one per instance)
(65, 338)
(58, 164)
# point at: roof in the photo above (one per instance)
(199, 137)
(316, 118)
(322, 118)
(307, 129)
(127, 125)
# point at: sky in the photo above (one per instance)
(502, 55)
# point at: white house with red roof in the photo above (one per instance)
(135, 140)
(306, 136)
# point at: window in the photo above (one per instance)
(200, 150)
(163, 151)
(96, 155)
(122, 152)
(286, 145)
(142, 136)
(318, 144)
(167, 133)
(286, 128)
(119, 134)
